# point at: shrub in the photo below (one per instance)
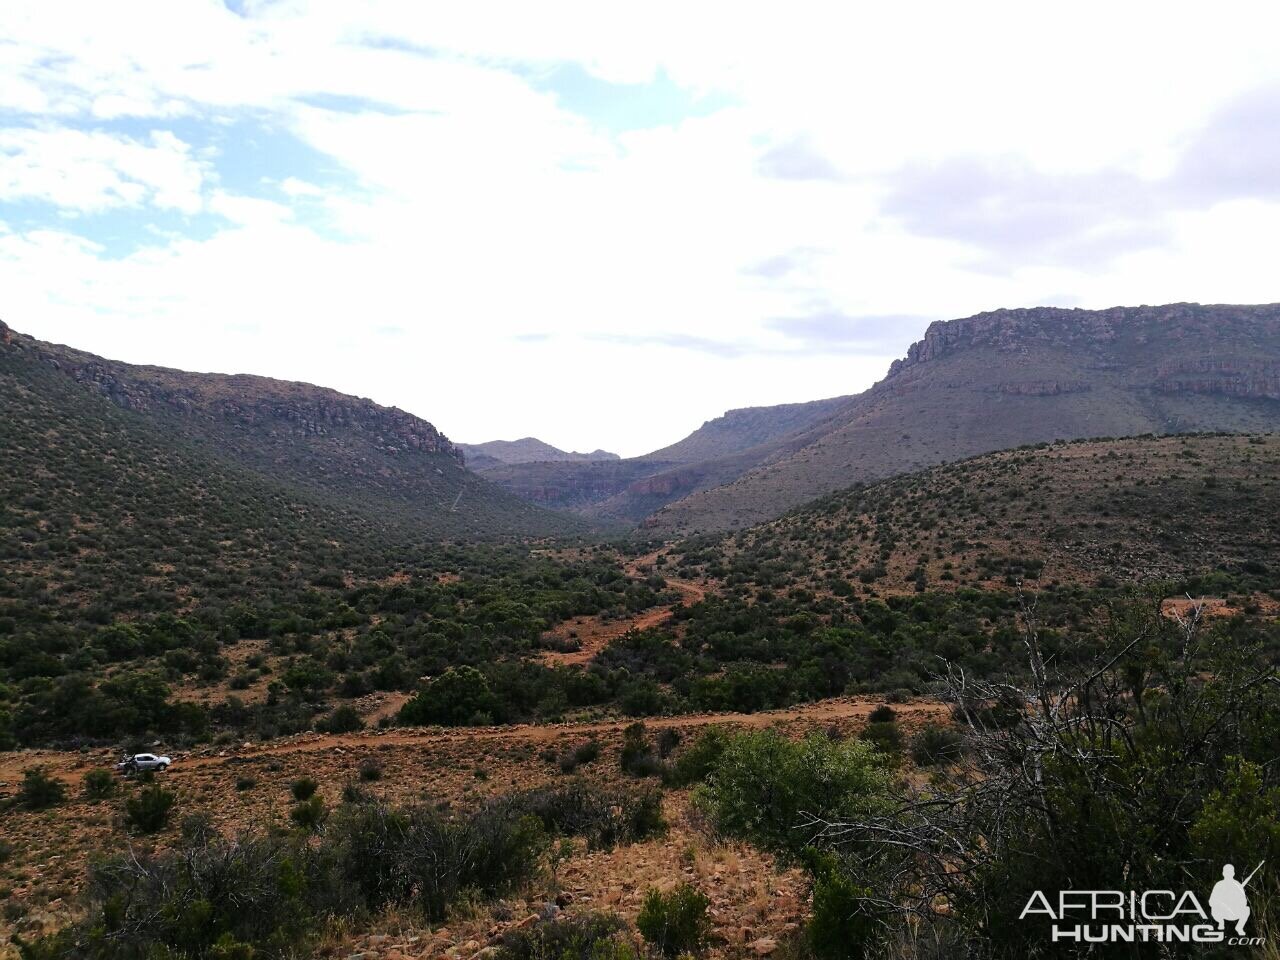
(148, 812)
(381, 855)
(303, 788)
(212, 901)
(595, 936)
(246, 783)
(39, 791)
(885, 737)
(696, 761)
(675, 922)
(99, 785)
(883, 714)
(460, 696)
(309, 814)
(370, 770)
(354, 793)
(583, 753)
(668, 740)
(267, 895)
(197, 829)
(1240, 820)
(842, 925)
(765, 787)
(345, 719)
(605, 817)
(936, 744)
(637, 753)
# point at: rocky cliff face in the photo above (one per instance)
(1011, 377)
(1257, 379)
(1096, 332)
(302, 443)
(276, 407)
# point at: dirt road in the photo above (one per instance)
(71, 765)
(595, 634)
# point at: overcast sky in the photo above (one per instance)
(602, 224)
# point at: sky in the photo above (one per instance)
(602, 224)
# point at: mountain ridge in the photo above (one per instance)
(628, 490)
(313, 438)
(483, 456)
(1009, 377)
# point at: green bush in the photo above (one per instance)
(39, 791)
(882, 714)
(416, 855)
(370, 770)
(696, 761)
(303, 788)
(668, 740)
(267, 896)
(936, 744)
(354, 793)
(148, 811)
(460, 696)
(344, 719)
(885, 737)
(843, 924)
(637, 756)
(309, 814)
(595, 936)
(605, 817)
(99, 784)
(1240, 821)
(583, 753)
(675, 922)
(767, 788)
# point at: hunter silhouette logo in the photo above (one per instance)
(1148, 916)
(1229, 901)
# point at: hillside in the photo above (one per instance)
(745, 428)
(1003, 379)
(482, 456)
(185, 551)
(1088, 513)
(628, 490)
(306, 442)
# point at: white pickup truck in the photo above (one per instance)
(143, 763)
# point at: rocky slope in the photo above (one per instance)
(745, 428)
(998, 380)
(306, 439)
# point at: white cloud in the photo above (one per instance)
(90, 172)
(876, 167)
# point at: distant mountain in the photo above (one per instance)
(149, 440)
(629, 490)
(483, 456)
(1011, 377)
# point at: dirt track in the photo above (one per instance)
(71, 765)
(595, 634)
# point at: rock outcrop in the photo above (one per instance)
(257, 403)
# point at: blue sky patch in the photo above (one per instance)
(619, 107)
